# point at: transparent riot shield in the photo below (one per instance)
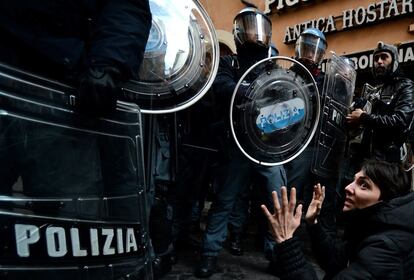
(274, 110)
(330, 144)
(72, 197)
(180, 60)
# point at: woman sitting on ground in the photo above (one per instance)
(379, 233)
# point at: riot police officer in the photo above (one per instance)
(58, 157)
(91, 44)
(309, 50)
(252, 32)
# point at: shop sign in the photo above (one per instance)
(351, 18)
(281, 4)
(364, 60)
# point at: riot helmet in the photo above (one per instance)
(311, 46)
(252, 26)
(393, 51)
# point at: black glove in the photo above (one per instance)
(98, 90)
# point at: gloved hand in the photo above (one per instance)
(358, 103)
(98, 90)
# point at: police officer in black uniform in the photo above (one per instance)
(93, 44)
(309, 50)
(252, 32)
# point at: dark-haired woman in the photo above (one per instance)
(379, 236)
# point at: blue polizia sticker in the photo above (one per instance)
(281, 115)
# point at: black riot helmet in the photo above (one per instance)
(252, 26)
(393, 51)
(311, 46)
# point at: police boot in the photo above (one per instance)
(236, 244)
(207, 266)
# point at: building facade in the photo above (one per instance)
(352, 27)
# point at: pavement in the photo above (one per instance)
(251, 265)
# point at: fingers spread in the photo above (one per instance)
(285, 202)
(292, 202)
(323, 192)
(266, 212)
(276, 202)
(298, 213)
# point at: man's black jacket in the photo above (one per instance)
(386, 127)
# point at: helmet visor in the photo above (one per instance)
(310, 48)
(253, 28)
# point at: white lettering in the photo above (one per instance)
(406, 4)
(287, 38)
(360, 15)
(363, 62)
(355, 61)
(76, 249)
(56, 242)
(291, 3)
(393, 8)
(25, 235)
(281, 4)
(308, 24)
(400, 55)
(119, 241)
(371, 13)
(107, 249)
(267, 6)
(330, 25)
(347, 19)
(352, 17)
(131, 242)
(405, 54)
(320, 23)
(409, 55)
(381, 5)
(297, 30)
(371, 60)
(93, 234)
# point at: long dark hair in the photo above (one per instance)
(391, 178)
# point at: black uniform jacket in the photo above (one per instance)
(68, 34)
(379, 244)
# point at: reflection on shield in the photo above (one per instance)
(69, 184)
(180, 60)
(274, 110)
(330, 144)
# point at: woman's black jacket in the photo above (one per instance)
(379, 244)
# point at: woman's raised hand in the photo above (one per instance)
(285, 219)
(316, 204)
